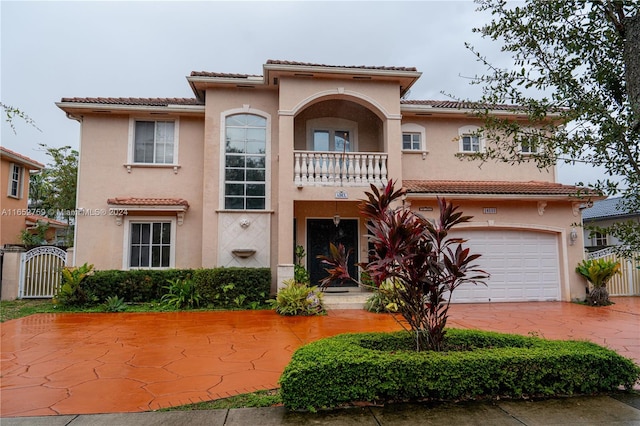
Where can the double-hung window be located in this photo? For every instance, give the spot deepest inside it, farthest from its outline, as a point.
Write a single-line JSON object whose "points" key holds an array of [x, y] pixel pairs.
{"points": [[245, 165], [154, 142], [16, 173], [150, 245], [599, 239], [470, 143], [411, 142], [529, 145]]}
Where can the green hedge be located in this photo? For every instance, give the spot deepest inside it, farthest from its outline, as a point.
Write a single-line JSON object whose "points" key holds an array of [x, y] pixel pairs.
{"points": [[136, 285], [383, 367], [219, 287], [226, 286]]}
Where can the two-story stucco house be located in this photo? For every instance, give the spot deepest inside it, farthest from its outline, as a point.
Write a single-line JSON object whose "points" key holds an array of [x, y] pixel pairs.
{"points": [[254, 165], [15, 216]]}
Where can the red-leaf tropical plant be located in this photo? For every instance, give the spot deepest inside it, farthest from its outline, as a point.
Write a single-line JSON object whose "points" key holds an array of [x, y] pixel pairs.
{"points": [[425, 264]]}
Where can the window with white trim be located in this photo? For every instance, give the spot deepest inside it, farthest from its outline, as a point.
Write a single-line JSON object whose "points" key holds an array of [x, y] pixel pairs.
{"points": [[530, 145], [411, 142], [16, 174], [599, 239], [470, 141], [150, 244], [154, 142], [245, 167], [413, 137]]}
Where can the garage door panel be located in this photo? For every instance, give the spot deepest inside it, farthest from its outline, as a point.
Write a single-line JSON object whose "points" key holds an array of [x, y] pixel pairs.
{"points": [[524, 266]]}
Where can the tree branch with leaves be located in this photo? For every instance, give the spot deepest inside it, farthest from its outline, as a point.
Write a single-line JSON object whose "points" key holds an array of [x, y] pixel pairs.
{"points": [[575, 73]]}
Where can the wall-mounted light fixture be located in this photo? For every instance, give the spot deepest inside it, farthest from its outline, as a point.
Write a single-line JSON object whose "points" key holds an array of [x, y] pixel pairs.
{"points": [[336, 217], [573, 236]]}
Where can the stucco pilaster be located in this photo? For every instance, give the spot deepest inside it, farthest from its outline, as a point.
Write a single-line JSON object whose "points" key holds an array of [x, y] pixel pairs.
{"points": [[284, 206], [392, 141]]}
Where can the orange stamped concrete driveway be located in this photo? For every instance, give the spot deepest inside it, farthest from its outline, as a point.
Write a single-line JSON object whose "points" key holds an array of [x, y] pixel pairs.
{"points": [[107, 363]]}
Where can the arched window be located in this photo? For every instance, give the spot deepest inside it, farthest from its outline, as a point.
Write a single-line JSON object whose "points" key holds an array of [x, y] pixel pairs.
{"points": [[245, 163]]}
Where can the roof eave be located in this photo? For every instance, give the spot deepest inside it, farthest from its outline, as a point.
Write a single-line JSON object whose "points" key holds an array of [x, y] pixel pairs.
{"points": [[31, 164], [498, 197], [72, 107]]}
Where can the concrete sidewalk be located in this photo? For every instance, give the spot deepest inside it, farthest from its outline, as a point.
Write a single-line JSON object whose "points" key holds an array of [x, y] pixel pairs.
{"points": [[619, 409]]}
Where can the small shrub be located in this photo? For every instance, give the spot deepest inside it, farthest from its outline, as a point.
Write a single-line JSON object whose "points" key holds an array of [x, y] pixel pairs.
{"points": [[384, 298], [300, 273], [71, 291], [598, 272], [298, 299], [385, 367], [114, 304], [181, 293]]}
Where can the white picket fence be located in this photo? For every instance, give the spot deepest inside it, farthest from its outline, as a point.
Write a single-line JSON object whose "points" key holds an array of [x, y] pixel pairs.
{"points": [[627, 283]]}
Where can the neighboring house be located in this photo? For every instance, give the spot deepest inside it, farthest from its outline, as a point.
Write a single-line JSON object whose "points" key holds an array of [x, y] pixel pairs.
{"points": [[15, 170], [254, 165], [604, 213], [56, 230]]}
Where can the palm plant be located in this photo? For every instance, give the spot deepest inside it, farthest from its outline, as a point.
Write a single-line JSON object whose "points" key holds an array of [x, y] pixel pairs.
{"points": [[598, 272]]}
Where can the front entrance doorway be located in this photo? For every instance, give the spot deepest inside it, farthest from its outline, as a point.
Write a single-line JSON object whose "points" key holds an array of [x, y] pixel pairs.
{"points": [[321, 232]]}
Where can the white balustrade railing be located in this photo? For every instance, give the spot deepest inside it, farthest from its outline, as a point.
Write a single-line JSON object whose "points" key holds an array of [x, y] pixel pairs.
{"points": [[315, 168]]}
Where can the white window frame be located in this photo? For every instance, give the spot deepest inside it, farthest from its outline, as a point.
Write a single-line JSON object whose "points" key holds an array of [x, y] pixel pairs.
{"points": [[469, 131], [126, 246], [530, 134], [412, 128], [132, 141], [246, 109], [332, 125], [19, 181], [598, 237]]}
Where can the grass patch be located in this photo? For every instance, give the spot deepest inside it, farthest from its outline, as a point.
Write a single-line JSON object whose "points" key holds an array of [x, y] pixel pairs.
{"points": [[12, 309], [264, 398]]}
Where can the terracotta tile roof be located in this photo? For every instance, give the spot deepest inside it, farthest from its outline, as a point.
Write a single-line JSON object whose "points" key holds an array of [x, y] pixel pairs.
{"points": [[460, 105], [35, 218], [491, 187], [221, 75], [136, 101], [364, 67], [16, 156], [135, 201]]}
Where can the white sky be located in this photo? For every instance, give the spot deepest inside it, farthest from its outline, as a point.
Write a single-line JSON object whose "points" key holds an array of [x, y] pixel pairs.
{"points": [[51, 50]]}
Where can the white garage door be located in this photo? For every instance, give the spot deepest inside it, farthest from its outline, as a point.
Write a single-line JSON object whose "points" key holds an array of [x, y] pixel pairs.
{"points": [[524, 266]]}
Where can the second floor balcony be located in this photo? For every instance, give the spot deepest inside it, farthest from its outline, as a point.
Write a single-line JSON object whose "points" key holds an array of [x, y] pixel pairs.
{"points": [[327, 168]]}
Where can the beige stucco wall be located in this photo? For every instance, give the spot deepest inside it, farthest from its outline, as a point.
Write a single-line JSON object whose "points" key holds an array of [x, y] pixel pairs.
{"points": [[220, 104], [441, 163], [103, 175]]}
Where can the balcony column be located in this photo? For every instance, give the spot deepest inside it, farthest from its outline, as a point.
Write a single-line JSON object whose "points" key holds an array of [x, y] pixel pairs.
{"points": [[393, 148], [283, 204]]}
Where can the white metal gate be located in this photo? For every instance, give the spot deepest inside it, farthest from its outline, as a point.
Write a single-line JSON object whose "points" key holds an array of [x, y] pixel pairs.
{"points": [[40, 272], [627, 283]]}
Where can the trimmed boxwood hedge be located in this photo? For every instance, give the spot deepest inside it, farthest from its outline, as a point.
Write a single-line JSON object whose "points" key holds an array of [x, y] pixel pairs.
{"points": [[218, 287], [383, 367]]}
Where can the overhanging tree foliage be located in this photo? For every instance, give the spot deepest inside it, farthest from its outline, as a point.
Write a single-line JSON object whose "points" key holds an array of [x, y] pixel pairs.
{"points": [[575, 63], [53, 190]]}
